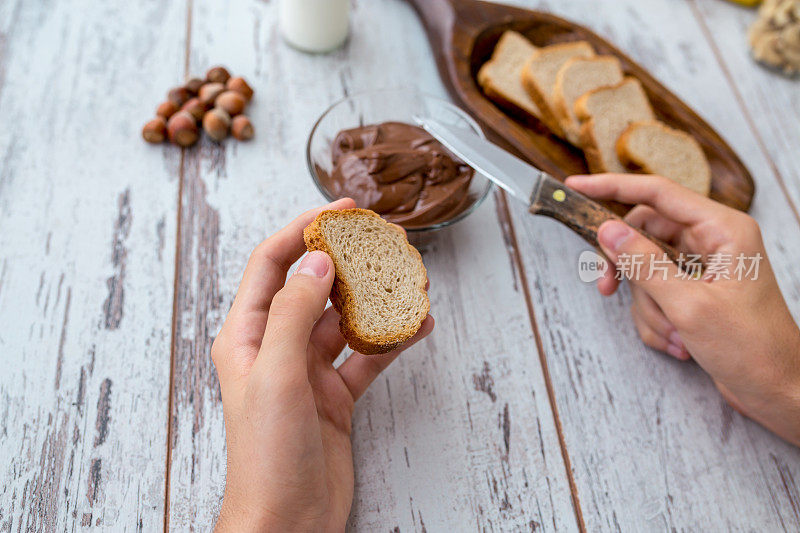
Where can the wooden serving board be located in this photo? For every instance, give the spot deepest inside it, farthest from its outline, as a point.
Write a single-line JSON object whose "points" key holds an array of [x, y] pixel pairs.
{"points": [[463, 34]]}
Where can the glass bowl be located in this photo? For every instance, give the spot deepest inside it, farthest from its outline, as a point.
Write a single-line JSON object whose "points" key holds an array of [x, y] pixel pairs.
{"points": [[374, 107]]}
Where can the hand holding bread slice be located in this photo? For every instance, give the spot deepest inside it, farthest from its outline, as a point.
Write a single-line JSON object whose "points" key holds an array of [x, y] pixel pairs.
{"points": [[380, 284]]}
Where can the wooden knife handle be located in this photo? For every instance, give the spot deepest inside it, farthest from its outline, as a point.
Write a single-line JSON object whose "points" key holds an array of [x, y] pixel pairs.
{"points": [[581, 214]]}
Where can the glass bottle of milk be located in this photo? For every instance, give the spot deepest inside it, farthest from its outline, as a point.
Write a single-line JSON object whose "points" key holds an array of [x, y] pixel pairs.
{"points": [[314, 25]]}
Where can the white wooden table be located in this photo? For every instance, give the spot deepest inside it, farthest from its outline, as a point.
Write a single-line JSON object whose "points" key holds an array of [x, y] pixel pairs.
{"points": [[533, 406]]}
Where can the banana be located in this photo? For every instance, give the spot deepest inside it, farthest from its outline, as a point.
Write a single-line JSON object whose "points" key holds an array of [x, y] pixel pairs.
{"points": [[746, 3]]}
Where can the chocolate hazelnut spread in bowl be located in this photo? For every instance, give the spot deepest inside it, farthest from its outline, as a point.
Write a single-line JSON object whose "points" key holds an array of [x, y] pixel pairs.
{"points": [[366, 147]]}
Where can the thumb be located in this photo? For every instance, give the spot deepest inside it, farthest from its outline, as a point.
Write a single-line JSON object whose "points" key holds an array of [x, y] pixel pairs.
{"points": [[639, 260], [294, 311]]}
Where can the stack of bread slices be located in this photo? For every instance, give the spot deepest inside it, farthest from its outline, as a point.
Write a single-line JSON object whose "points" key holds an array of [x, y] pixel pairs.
{"points": [[587, 100]]}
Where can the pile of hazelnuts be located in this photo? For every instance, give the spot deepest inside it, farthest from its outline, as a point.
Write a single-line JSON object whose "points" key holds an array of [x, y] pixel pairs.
{"points": [[217, 102]]}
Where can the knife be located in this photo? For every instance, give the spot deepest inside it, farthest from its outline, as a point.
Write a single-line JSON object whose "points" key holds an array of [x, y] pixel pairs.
{"points": [[541, 192]]}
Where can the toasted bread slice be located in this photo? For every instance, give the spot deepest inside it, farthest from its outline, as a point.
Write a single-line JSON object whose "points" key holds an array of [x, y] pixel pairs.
{"points": [[575, 78], [655, 148], [539, 76], [605, 113], [380, 281], [501, 76]]}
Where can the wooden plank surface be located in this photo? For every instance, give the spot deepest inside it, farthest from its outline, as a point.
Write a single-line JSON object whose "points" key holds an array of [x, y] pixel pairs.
{"points": [[666, 452], [87, 226], [459, 433], [771, 102]]}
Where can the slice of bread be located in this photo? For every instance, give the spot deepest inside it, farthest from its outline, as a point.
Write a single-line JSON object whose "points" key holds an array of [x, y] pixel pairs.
{"points": [[501, 76], [575, 78], [655, 148], [380, 281], [539, 76], [605, 113]]}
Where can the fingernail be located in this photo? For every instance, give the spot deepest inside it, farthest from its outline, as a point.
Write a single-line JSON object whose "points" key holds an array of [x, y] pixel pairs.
{"points": [[675, 351], [314, 264], [675, 339], [613, 234], [678, 352], [577, 178]]}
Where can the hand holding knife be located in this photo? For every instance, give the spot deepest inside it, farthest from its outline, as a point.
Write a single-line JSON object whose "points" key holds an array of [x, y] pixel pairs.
{"points": [[542, 193]]}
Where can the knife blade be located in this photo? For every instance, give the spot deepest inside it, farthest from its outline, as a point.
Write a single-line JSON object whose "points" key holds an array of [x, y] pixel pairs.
{"points": [[508, 172], [542, 193]]}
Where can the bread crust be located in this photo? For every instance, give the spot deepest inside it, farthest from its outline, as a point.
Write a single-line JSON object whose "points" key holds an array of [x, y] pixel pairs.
{"points": [[537, 95], [591, 150], [560, 107], [625, 157], [594, 159], [635, 164], [628, 159], [560, 110], [342, 297], [498, 97], [497, 94]]}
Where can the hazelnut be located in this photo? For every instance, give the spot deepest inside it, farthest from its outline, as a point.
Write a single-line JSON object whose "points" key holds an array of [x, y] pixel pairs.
{"points": [[153, 131], [241, 128], [238, 84], [231, 101], [195, 107], [166, 109], [218, 75], [178, 95], [216, 123], [193, 85], [182, 129], [209, 92]]}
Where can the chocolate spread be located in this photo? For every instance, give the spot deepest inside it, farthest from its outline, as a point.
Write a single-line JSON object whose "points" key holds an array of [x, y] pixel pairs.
{"points": [[399, 171]]}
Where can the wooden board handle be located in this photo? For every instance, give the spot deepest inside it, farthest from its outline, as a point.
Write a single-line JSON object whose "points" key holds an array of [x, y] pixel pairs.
{"points": [[433, 9], [441, 17], [581, 214]]}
